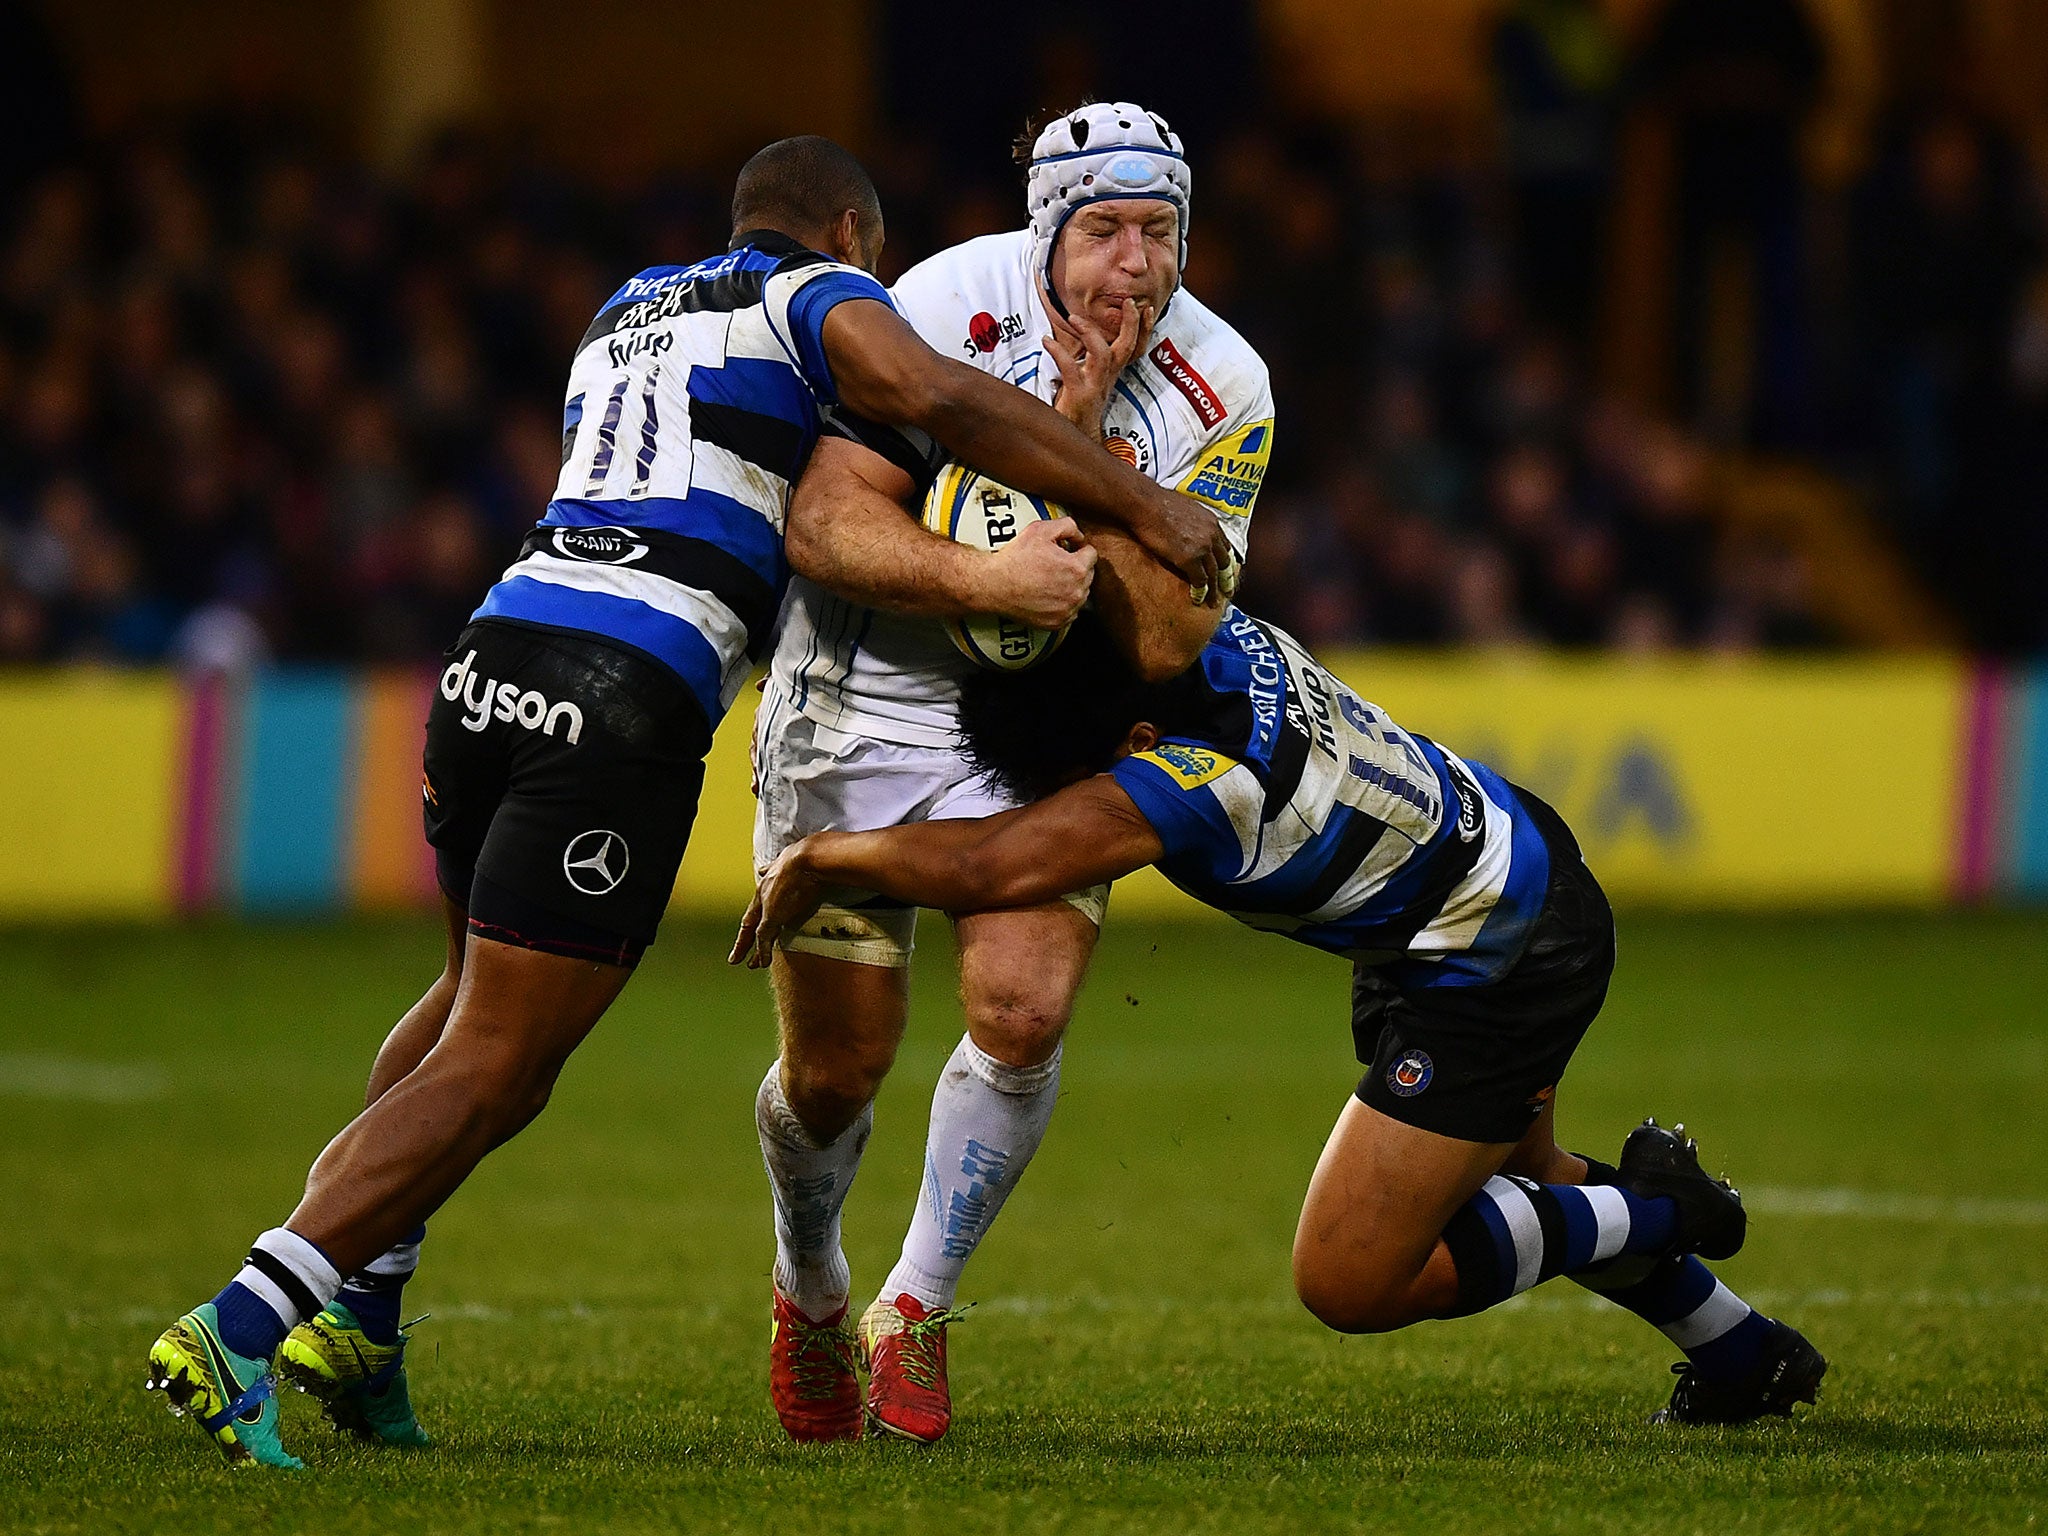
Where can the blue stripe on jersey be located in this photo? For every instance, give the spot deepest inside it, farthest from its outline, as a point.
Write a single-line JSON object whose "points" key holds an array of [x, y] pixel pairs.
{"points": [[807, 311], [674, 642], [759, 385], [1144, 415], [732, 525], [1280, 890]]}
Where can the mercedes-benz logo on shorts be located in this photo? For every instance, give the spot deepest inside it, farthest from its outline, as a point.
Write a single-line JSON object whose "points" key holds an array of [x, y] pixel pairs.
{"points": [[596, 861]]}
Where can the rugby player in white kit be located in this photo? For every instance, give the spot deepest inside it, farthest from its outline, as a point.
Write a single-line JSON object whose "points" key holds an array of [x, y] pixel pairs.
{"points": [[858, 731]]}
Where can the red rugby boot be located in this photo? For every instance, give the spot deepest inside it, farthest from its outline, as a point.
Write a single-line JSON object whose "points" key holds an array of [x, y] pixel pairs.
{"points": [[811, 1374], [906, 1350]]}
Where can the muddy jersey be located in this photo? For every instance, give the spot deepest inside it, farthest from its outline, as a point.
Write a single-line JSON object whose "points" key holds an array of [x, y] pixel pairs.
{"points": [[1194, 412]]}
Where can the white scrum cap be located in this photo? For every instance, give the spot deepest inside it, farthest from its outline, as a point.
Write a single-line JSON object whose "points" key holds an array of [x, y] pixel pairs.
{"points": [[1096, 153]]}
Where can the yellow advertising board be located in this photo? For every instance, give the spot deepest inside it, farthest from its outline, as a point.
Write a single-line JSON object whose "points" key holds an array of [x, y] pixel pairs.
{"points": [[89, 777], [1691, 782], [1713, 782]]}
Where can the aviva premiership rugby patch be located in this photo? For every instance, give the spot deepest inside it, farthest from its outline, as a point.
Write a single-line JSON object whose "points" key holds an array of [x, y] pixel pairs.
{"points": [[1229, 474], [1191, 767]]}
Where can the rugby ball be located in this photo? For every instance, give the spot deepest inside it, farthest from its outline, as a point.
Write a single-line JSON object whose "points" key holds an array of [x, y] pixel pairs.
{"points": [[967, 507]]}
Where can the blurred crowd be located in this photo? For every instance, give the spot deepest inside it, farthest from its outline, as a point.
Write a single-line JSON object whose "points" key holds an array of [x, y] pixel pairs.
{"points": [[258, 399]]}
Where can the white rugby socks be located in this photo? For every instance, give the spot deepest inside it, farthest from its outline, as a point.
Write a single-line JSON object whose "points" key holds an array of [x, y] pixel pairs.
{"points": [[810, 1183], [987, 1120]]}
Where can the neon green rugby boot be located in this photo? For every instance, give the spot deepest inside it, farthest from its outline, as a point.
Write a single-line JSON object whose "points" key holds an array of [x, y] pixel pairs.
{"points": [[231, 1398], [358, 1382]]}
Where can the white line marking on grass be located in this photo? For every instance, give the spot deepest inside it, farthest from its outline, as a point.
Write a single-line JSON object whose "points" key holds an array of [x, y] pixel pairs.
{"points": [[27, 1076], [1876, 1205]]}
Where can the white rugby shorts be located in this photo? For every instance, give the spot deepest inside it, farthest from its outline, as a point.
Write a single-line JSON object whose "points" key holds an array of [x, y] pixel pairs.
{"points": [[812, 778]]}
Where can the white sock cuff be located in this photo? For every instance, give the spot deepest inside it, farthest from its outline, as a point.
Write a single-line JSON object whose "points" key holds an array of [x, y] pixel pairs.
{"points": [[1525, 1228], [291, 1276], [1721, 1311], [265, 1290], [1004, 1078], [304, 1259], [400, 1260], [1611, 1219], [936, 1292], [778, 1122]]}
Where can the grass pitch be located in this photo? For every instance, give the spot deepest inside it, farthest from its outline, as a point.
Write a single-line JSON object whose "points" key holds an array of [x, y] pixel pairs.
{"points": [[596, 1361]]}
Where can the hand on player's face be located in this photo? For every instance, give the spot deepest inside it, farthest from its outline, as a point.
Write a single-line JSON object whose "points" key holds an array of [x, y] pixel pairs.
{"points": [[1043, 575], [785, 898], [1115, 266], [1091, 359]]}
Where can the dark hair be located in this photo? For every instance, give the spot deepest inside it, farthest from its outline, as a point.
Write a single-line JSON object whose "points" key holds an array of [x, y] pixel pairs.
{"points": [[801, 186], [1034, 125], [1035, 731]]}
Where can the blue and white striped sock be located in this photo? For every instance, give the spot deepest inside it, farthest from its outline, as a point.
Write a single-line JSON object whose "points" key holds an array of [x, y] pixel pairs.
{"points": [[1516, 1233], [285, 1280], [376, 1292], [1721, 1334]]}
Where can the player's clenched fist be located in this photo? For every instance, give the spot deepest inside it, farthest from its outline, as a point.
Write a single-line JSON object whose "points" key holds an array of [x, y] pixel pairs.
{"points": [[1042, 576]]}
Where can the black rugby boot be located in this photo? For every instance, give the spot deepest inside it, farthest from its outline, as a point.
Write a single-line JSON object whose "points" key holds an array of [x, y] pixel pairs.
{"points": [[1711, 1220], [1788, 1371]]}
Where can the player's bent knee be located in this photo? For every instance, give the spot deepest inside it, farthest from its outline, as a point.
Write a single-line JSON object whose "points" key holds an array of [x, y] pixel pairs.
{"points": [[1352, 1292], [1020, 1031], [1349, 1305]]}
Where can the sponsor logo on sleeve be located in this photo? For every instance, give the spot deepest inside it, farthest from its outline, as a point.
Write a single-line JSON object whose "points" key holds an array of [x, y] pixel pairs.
{"points": [[1230, 472], [1182, 377], [1190, 767]]}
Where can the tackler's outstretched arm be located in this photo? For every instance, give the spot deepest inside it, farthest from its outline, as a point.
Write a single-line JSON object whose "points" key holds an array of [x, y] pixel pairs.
{"points": [[1086, 834]]}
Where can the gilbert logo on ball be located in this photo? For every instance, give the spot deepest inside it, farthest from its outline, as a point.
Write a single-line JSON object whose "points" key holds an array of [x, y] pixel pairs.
{"points": [[967, 507]]}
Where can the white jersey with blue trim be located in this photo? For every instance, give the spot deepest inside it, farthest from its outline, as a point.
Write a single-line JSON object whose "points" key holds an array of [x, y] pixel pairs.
{"points": [[1195, 412], [1286, 800], [693, 404]]}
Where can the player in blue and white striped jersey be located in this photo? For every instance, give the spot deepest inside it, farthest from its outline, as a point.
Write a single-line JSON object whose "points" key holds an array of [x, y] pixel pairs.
{"points": [[565, 745], [1482, 947], [694, 401]]}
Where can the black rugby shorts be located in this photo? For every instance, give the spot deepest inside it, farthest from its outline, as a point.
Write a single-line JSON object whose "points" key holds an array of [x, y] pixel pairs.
{"points": [[1479, 1063], [561, 782]]}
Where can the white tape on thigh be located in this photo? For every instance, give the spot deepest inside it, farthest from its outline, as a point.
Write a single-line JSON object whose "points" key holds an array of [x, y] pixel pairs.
{"points": [[881, 936], [1092, 903]]}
